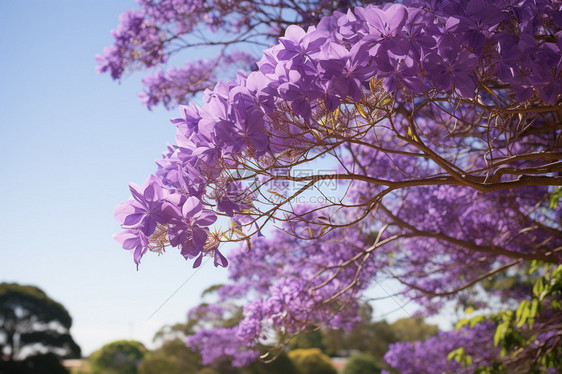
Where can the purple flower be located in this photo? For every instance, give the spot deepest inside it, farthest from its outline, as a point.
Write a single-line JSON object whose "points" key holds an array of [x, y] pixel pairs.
{"points": [[451, 68], [144, 211], [229, 199], [298, 44], [187, 229], [300, 91], [412, 357], [219, 259], [385, 26], [346, 70], [247, 128], [476, 23], [188, 123], [134, 241]]}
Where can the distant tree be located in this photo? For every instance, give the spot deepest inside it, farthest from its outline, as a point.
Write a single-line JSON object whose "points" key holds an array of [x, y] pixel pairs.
{"points": [[373, 337], [207, 370], [312, 361], [362, 363], [412, 329], [47, 363], [32, 323], [119, 357], [283, 364], [313, 339], [366, 336], [173, 357]]}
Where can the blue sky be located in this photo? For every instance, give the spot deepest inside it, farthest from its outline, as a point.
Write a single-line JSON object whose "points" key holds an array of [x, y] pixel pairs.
{"points": [[70, 143]]}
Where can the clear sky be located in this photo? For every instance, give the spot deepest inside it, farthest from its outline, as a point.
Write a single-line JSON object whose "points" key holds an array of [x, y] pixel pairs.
{"points": [[70, 143]]}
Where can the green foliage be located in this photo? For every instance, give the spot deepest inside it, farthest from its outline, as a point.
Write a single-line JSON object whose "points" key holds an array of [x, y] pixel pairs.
{"points": [[555, 197], [31, 321], [367, 336], [362, 363], [510, 333], [281, 365], [495, 368], [312, 361], [208, 370], [312, 339], [119, 357], [375, 337], [460, 356], [173, 357]]}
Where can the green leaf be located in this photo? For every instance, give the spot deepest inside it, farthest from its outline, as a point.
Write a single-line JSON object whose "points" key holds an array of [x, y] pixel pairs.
{"points": [[522, 313], [500, 332], [555, 197], [539, 286], [455, 354], [535, 307], [461, 323], [476, 320], [535, 264]]}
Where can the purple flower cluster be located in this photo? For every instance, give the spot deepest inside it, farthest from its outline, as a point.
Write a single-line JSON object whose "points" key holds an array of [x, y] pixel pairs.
{"points": [[180, 84], [137, 41], [430, 356], [152, 210], [455, 46], [286, 291], [452, 48]]}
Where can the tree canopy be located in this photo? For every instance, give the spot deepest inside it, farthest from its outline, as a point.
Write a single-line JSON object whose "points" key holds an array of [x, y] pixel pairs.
{"points": [[312, 361], [32, 323], [173, 357], [440, 121], [119, 357]]}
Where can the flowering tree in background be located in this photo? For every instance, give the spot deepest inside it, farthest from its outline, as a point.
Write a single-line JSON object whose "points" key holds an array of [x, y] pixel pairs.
{"points": [[442, 121]]}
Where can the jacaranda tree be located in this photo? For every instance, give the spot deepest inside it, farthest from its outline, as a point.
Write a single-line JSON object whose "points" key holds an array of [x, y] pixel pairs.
{"points": [[441, 125]]}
